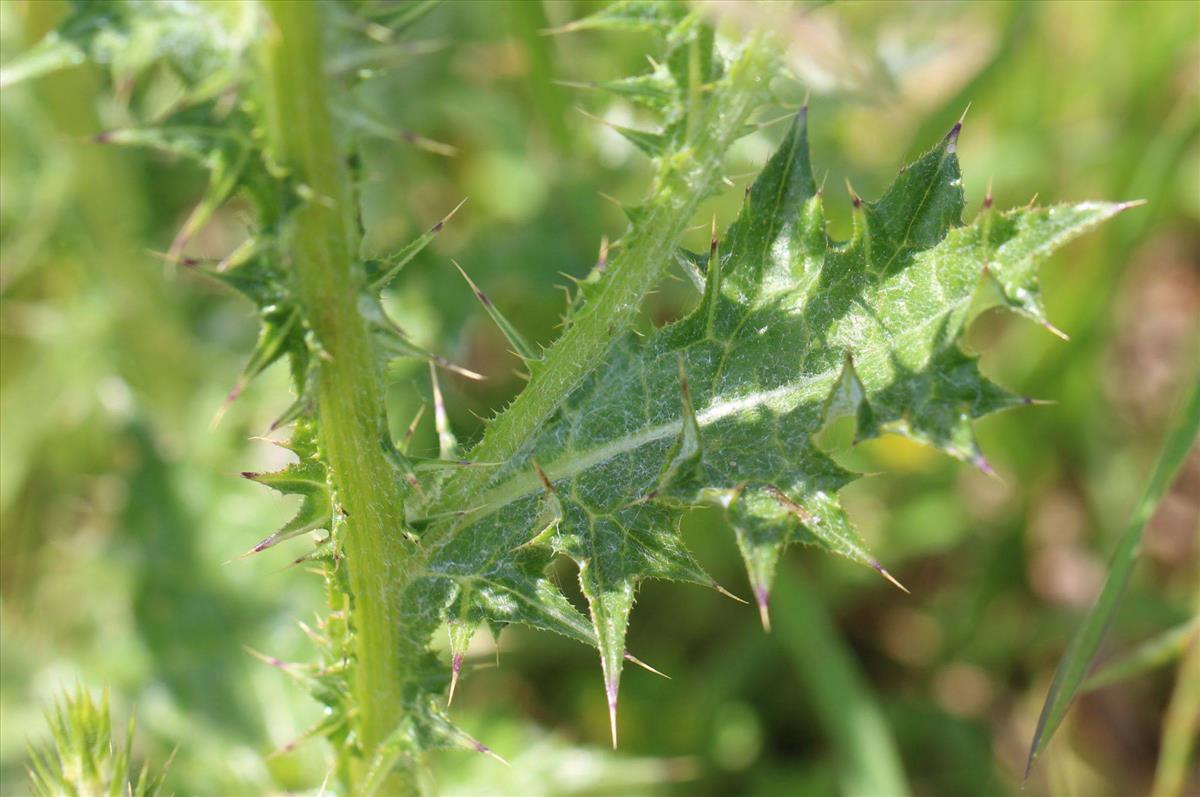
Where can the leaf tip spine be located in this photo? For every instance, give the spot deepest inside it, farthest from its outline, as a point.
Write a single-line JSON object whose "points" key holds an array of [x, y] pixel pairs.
{"points": [[455, 669], [632, 659], [855, 199], [727, 593], [883, 572], [762, 597], [610, 689]]}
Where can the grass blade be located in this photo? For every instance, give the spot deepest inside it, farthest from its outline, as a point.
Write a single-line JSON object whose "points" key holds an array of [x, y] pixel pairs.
{"points": [[1181, 726], [1073, 668], [1157, 651]]}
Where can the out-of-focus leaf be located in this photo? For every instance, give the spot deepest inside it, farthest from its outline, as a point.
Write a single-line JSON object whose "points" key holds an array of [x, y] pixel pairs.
{"points": [[868, 762], [1181, 727], [1158, 651]]}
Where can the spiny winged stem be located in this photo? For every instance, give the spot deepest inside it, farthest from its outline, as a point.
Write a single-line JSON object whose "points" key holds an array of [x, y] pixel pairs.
{"points": [[320, 243], [682, 183]]}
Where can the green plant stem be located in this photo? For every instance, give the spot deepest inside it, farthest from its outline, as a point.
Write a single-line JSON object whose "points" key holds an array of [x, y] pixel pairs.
{"points": [[319, 241], [868, 761], [684, 180]]}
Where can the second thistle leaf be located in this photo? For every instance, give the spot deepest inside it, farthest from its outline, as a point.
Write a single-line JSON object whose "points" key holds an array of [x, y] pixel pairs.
{"points": [[793, 331]]}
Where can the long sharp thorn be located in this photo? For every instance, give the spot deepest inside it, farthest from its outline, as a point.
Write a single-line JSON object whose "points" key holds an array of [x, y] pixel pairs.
{"points": [[523, 349], [487, 751], [226, 404], [412, 429], [728, 594], [438, 227], [784, 118], [455, 668], [394, 264], [447, 445], [602, 260], [264, 658], [457, 369], [610, 688], [632, 659], [1053, 330], [883, 572], [611, 199]]}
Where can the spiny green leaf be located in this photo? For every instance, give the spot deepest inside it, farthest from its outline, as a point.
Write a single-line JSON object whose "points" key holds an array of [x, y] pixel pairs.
{"points": [[793, 330], [425, 727], [204, 44], [650, 143], [83, 757], [307, 478], [1074, 666], [513, 589]]}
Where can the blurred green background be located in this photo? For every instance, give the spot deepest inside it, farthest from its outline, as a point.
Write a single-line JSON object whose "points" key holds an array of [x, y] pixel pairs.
{"points": [[121, 507]]}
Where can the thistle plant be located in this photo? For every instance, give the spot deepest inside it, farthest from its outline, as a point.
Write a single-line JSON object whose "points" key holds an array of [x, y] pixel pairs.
{"points": [[83, 759], [616, 436]]}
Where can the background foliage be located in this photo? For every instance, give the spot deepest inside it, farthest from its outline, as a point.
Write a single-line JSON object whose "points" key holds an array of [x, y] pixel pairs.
{"points": [[121, 506]]}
